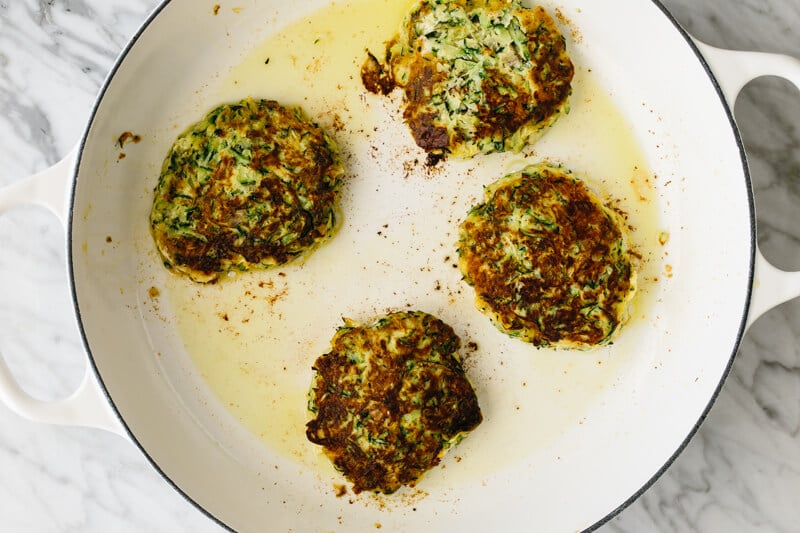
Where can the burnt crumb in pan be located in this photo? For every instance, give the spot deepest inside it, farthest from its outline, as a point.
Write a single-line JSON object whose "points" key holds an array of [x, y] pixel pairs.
{"points": [[550, 264], [252, 185], [389, 400], [477, 77]]}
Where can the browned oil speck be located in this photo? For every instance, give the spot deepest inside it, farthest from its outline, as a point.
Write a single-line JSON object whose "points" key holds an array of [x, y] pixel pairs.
{"points": [[573, 30], [215, 10], [338, 123], [153, 292], [278, 296], [128, 137]]}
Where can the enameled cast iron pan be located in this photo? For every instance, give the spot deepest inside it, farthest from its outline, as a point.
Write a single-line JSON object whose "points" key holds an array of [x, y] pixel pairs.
{"points": [[209, 381]]}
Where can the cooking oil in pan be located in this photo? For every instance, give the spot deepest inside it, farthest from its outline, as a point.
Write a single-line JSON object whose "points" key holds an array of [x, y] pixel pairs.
{"points": [[254, 338]]}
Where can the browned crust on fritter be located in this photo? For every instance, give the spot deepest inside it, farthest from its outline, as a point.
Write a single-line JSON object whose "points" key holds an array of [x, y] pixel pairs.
{"points": [[375, 77], [506, 106], [566, 279], [360, 422], [295, 196], [427, 133], [503, 113], [555, 70]]}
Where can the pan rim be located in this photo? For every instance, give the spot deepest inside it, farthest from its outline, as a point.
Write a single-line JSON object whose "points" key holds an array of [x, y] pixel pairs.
{"points": [[71, 269], [132, 42], [750, 277]]}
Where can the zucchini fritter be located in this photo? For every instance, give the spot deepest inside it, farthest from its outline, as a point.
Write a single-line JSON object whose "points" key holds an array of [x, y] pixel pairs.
{"points": [[390, 399], [479, 76], [253, 184], [549, 262]]}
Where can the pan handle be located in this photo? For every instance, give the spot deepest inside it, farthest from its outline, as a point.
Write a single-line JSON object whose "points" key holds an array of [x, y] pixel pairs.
{"points": [[88, 406], [734, 70]]}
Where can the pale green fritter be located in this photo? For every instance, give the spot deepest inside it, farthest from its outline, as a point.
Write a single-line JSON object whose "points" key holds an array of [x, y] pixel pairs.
{"points": [[549, 262], [479, 76], [252, 185], [390, 399]]}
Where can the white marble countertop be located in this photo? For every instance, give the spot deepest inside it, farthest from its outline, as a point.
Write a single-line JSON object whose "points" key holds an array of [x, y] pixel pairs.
{"points": [[740, 473]]}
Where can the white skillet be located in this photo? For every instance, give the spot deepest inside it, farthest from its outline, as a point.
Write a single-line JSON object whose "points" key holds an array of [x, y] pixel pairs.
{"points": [[565, 466]]}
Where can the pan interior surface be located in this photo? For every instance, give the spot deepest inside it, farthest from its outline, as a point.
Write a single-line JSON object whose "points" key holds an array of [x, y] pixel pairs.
{"points": [[211, 379]]}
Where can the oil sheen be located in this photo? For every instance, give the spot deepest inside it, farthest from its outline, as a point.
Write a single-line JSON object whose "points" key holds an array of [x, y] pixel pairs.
{"points": [[254, 337]]}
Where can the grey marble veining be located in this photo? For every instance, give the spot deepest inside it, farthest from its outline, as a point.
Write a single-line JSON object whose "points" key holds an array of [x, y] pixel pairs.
{"points": [[741, 472]]}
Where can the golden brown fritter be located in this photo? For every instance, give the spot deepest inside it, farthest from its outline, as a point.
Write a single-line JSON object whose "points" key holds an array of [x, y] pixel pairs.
{"points": [[549, 262], [252, 185], [479, 76], [390, 399]]}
